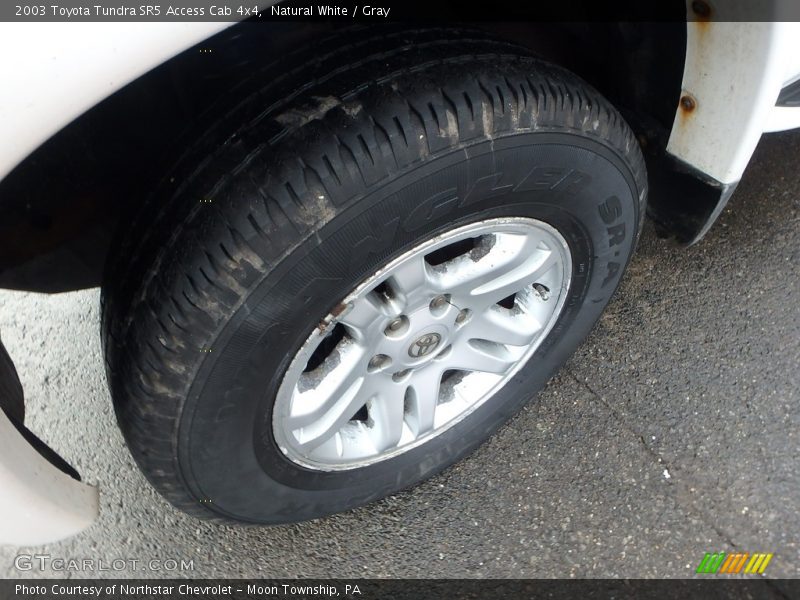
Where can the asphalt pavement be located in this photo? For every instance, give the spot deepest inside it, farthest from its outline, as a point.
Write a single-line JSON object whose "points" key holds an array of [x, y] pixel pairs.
{"points": [[672, 432]]}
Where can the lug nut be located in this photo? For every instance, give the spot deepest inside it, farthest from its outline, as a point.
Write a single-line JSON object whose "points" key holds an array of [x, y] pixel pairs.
{"points": [[438, 303], [396, 325], [462, 316], [379, 361], [400, 374], [542, 291]]}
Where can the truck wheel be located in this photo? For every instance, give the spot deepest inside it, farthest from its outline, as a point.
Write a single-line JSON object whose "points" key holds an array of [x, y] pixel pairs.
{"points": [[364, 271]]}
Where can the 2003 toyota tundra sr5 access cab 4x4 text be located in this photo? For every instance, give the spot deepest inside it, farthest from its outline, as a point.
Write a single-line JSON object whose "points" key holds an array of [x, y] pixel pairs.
{"points": [[334, 261]]}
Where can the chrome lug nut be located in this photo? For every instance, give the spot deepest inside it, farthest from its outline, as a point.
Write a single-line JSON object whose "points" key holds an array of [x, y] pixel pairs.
{"points": [[378, 362], [400, 374], [462, 316], [396, 326], [438, 303]]}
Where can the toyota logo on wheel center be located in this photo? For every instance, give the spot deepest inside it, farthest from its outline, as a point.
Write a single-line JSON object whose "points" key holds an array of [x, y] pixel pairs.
{"points": [[424, 345]]}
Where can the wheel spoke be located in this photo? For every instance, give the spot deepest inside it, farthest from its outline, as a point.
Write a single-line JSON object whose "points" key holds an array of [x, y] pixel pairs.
{"points": [[411, 280], [361, 317], [386, 412], [480, 355], [329, 396], [510, 264], [423, 398], [323, 429], [516, 278], [515, 327]]}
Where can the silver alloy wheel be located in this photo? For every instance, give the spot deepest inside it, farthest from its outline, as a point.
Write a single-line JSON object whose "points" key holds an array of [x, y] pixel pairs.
{"points": [[422, 343]]}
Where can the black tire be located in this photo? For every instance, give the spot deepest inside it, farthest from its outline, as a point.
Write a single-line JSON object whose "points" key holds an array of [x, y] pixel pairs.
{"points": [[12, 398], [307, 188]]}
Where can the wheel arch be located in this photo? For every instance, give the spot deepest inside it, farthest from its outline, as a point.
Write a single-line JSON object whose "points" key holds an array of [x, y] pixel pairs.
{"points": [[63, 204]]}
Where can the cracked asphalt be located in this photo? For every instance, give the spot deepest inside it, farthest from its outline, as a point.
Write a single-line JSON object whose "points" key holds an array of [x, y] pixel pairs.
{"points": [[672, 432]]}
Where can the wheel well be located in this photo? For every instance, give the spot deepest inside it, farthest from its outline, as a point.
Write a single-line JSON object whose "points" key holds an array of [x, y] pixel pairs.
{"points": [[63, 205]]}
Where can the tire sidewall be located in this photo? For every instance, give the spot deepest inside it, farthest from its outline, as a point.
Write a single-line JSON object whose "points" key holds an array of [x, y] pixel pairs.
{"points": [[227, 455]]}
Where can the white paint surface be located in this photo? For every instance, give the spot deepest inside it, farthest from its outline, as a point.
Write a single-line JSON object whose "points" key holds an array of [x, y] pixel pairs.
{"points": [[734, 71], [38, 502]]}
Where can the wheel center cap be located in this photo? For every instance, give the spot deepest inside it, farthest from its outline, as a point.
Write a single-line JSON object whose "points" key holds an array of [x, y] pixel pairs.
{"points": [[424, 345]]}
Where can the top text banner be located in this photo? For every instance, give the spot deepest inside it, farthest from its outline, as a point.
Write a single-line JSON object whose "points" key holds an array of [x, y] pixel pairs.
{"points": [[428, 11]]}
